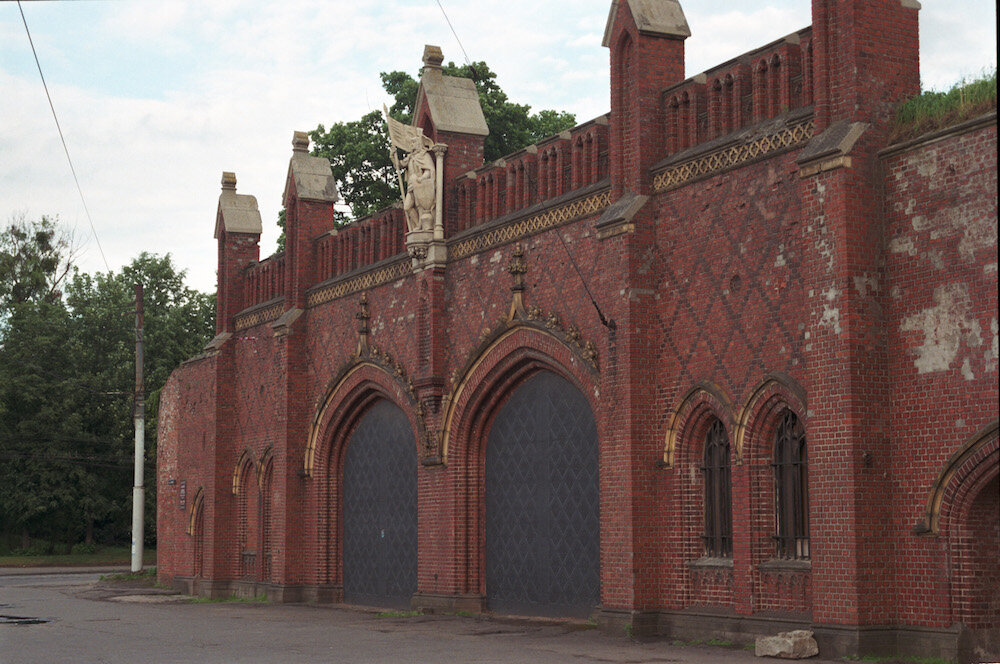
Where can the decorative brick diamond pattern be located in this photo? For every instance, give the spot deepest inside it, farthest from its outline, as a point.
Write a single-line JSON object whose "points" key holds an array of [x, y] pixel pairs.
{"points": [[730, 315], [542, 508], [380, 510]]}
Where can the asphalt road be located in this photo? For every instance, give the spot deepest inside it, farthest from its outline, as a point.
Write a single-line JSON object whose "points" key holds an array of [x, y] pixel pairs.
{"points": [[90, 624]]}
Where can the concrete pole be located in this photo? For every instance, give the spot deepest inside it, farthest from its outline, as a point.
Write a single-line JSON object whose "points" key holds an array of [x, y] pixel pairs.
{"points": [[138, 495]]}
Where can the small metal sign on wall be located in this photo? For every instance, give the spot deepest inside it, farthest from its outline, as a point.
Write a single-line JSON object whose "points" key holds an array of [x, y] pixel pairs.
{"points": [[182, 495]]}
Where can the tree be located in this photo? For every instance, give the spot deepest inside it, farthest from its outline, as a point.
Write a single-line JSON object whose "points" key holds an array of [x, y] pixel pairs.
{"points": [[66, 396], [36, 256], [178, 323], [38, 423], [359, 150]]}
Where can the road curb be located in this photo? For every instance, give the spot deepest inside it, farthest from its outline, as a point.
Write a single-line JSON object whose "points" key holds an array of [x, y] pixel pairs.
{"points": [[45, 571]]}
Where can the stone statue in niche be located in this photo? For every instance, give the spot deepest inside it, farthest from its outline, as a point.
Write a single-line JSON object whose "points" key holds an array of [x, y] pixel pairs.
{"points": [[420, 194]]}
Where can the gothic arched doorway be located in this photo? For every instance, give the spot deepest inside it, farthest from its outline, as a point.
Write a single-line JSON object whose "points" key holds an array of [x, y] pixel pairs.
{"points": [[542, 502], [380, 510]]}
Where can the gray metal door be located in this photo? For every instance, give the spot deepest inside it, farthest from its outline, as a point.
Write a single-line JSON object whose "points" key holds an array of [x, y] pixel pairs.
{"points": [[380, 510], [542, 502]]}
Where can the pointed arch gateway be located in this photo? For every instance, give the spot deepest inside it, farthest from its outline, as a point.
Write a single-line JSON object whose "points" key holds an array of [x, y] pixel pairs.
{"points": [[363, 451], [522, 425], [542, 502], [379, 489]]}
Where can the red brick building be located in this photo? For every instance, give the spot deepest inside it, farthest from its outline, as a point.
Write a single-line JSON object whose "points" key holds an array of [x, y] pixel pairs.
{"points": [[720, 363]]}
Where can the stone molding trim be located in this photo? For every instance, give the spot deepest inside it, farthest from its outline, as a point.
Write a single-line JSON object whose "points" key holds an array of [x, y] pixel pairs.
{"points": [[775, 392], [398, 268], [196, 505], [983, 450], [494, 364], [495, 236], [266, 313], [385, 377], [733, 155], [701, 400], [246, 460], [831, 149], [617, 217]]}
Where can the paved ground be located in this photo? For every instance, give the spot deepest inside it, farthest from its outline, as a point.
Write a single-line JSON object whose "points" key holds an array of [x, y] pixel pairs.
{"points": [[91, 623]]}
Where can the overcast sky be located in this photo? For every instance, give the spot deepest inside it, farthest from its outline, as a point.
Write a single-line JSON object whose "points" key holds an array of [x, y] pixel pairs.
{"points": [[157, 98]]}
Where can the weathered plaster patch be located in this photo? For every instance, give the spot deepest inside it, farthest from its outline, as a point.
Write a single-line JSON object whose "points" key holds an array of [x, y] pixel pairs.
{"points": [[945, 326], [937, 260], [990, 268], [865, 284], [978, 231], [926, 167], [497, 257], [967, 370], [831, 313], [903, 245], [780, 260]]}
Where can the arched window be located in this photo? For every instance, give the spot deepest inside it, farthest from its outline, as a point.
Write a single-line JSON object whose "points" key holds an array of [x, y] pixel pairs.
{"points": [[791, 488], [718, 536]]}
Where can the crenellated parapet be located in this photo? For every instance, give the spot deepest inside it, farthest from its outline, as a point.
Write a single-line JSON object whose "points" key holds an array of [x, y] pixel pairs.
{"points": [[552, 168], [759, 85], [264, 281], [365, 242], [663, 132]]}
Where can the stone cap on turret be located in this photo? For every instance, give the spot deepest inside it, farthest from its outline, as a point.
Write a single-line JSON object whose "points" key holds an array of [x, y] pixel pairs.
{"points": [[653, 17], [238, 213], [452, 102], [313, 176]]}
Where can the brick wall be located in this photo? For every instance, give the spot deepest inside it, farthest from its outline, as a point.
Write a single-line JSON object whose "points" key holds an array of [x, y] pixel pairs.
{"points": [[859, 294]]}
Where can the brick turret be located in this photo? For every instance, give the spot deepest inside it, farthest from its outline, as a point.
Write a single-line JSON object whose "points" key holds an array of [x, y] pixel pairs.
{"points": [[447, 109], [310, 195], [866, 58], [646, 39], [237, 229]]}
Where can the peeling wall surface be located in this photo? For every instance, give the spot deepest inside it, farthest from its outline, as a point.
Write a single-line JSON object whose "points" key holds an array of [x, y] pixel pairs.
{"points": [[733, 262], [941, 267]]}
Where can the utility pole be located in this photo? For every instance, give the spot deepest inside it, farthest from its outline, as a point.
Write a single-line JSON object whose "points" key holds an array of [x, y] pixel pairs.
{"points": [[138, 497]]}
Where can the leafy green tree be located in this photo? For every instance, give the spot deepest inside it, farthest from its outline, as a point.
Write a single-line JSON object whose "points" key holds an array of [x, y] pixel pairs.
{"points": [[359, 150], [36, 256], [66, 396], [39, 424], [178, 322]]}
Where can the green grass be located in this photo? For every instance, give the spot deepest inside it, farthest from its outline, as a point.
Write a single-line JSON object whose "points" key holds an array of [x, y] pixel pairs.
{"points": [[719, 643], [397, 614], [875, 659], [232, 599], [930, 111], [111, 555], [144, 575]]}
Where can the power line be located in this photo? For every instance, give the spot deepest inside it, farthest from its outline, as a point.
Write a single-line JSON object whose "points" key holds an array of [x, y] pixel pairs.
{"points": [[62, 138], [467, 61]]}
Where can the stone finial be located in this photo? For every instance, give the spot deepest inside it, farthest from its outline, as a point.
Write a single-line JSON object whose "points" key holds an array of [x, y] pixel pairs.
{"points": [[300, 142], [664, 18], [228, 181], [433, 57]]}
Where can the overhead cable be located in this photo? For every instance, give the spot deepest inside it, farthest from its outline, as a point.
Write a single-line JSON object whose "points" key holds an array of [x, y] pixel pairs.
{"points": [[62, 138]]}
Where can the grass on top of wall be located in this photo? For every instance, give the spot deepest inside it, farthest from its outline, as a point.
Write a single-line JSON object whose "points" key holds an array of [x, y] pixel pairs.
{"points": [[930, 111]]}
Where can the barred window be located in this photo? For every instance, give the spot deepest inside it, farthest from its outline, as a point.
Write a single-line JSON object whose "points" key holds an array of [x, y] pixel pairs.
{"points": [[791, 488], [718, 537]]}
